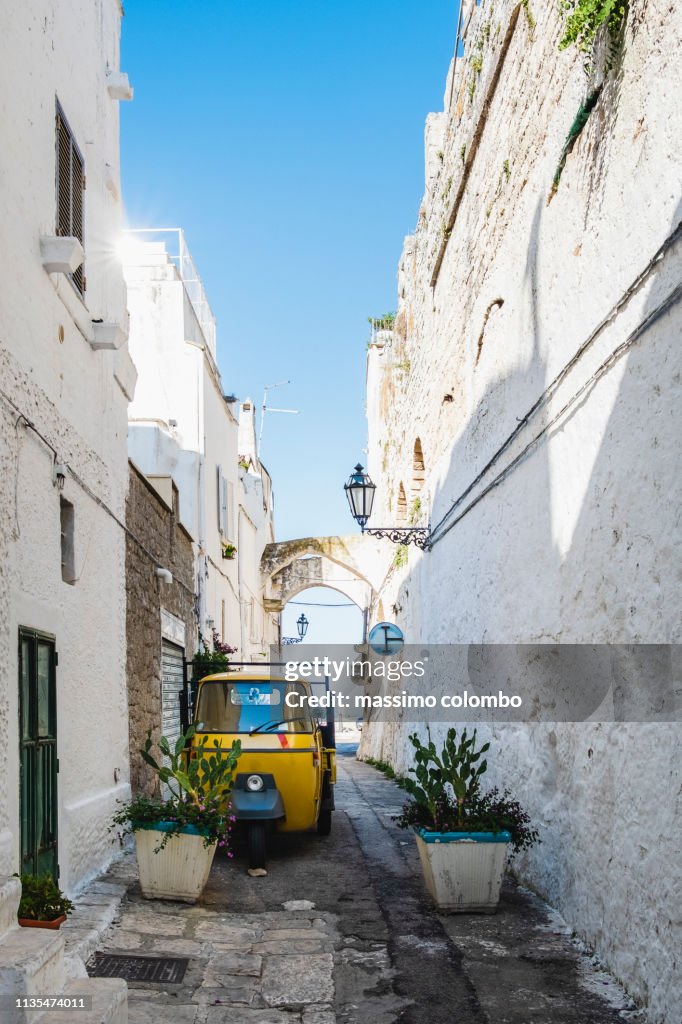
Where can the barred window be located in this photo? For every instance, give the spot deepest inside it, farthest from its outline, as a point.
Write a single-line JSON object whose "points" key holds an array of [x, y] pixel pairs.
{"points": [[70, 186]]}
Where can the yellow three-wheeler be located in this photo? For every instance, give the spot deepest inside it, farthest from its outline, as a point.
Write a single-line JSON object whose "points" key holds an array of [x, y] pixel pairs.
{"points": [[287, 769]]}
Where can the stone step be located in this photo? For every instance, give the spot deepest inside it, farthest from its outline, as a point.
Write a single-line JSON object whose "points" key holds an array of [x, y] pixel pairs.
{"points": [[31, 964], [109, 1003], [10, 894]]}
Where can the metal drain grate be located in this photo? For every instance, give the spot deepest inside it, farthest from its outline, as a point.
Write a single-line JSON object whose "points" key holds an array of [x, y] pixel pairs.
{"points": [[165, 969]]}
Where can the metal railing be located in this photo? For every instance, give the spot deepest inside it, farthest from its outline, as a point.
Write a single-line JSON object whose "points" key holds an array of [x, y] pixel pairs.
{"points": [[178, 253]]}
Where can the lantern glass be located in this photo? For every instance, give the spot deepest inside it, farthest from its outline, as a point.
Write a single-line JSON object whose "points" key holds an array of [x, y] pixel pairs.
{"points": [[302, 625], [360, 493]]}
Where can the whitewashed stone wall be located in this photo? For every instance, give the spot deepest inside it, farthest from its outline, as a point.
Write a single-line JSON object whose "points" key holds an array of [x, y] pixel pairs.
{"points": [[76, 398], [184, 427], [579, 540]]}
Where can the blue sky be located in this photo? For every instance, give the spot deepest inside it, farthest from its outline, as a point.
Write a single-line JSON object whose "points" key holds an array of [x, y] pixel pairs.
{"points": [[286, 139]]}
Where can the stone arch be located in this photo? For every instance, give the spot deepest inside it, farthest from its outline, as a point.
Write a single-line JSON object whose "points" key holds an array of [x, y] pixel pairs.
{"points": [[352, 565]]}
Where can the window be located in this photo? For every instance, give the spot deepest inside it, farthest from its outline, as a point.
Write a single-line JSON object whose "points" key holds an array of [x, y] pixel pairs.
{"points": [[66, 522], [225, 504], [70, 175]]}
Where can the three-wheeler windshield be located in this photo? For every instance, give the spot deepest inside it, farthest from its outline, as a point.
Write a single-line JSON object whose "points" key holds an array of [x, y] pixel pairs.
{"points": [[265, 705]]}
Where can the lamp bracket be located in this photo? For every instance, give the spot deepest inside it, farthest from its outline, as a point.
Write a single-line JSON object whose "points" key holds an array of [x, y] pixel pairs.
{"points": [[418, 535]]}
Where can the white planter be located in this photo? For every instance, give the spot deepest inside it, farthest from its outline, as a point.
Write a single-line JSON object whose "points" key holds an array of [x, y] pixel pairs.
{"points": [[463, 871], [60, 254], [179, 871]]}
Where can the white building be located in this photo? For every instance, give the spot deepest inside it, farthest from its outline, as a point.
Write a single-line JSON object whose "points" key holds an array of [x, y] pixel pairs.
{"points": [[184, 430], [65, 383]]}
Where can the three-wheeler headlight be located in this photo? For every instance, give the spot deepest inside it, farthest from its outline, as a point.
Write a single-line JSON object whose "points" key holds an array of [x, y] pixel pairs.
{"points": [[255, 784]]}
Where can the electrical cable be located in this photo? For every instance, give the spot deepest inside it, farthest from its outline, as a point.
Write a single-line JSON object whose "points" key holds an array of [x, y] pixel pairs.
{"points": [[555, 383], [320, 604], [87, 490], [603, 368]]}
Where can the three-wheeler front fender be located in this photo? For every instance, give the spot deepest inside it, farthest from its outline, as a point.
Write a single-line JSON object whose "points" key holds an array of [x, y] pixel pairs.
{"points": [[256, 805]]}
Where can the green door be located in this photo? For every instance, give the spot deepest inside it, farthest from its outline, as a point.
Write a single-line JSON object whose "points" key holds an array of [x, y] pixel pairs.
{"points": [[38, 752]]}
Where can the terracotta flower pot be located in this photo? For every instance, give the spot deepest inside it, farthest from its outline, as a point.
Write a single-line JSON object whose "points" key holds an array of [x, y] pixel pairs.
{"points": [[28, 922]]}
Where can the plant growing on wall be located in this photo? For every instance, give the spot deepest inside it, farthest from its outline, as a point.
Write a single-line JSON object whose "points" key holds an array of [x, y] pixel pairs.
{"points": [[585, 18], [400, 556], [382, 323]]}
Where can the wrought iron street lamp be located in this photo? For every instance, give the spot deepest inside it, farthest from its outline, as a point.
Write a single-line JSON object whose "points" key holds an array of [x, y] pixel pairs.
{"points": [[302, 627], [360, 491]]}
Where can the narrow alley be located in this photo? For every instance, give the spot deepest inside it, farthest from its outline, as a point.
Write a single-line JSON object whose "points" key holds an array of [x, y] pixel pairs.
{"points": [[342, 930]]}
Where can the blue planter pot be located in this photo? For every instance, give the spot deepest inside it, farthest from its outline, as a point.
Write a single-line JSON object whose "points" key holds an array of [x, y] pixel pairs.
{"points": [[463, 837]]}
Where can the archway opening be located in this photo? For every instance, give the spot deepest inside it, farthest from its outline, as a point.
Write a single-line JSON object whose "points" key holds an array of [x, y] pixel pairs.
{"points": [[332, 616]]}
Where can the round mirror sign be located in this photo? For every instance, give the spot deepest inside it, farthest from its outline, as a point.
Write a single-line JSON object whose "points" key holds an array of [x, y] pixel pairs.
{"points": [[386, 638]]}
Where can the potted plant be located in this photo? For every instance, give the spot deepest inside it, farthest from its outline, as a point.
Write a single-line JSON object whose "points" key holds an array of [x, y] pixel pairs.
{"points": [[463, 835], [176, 836], [43, 904], [229, 551]]}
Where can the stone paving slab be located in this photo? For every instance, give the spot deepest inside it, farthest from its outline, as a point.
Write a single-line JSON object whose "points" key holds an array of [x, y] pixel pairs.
{"points": [[295, 980]]}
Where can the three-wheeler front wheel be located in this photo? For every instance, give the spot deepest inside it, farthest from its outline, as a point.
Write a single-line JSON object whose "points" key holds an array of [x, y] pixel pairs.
{"points": [[257, 844], [324, 823]]}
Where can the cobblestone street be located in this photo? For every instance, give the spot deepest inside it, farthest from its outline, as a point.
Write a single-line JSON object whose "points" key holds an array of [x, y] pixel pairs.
{"points": [[341, 930]]}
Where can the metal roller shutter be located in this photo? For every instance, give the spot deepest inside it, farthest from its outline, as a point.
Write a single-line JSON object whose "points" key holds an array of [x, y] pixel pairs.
{"points": [[172, 679]]}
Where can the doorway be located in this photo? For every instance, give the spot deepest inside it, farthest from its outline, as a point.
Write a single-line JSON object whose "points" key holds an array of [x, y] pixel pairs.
{"points": [[38, 765]]}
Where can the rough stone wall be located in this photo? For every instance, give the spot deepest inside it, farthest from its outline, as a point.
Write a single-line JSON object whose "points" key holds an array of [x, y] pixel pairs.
{"points": [[155, 538], [572, 533]]}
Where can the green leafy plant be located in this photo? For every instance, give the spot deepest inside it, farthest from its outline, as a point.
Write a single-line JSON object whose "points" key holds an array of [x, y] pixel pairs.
{"points": [[229, 550], [384, 767], [382, 323], [400, 556], [42, 899], [199, 782], [530, 19], [209, 660], [446, 792], [415, 510], [584, 19]]}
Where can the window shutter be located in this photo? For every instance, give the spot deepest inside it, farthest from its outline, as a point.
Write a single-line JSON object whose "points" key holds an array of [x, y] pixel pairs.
{"points": [[77, 186], [63, 178], [223, 510], [230, 511], [218, 491], [70, 173]]}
